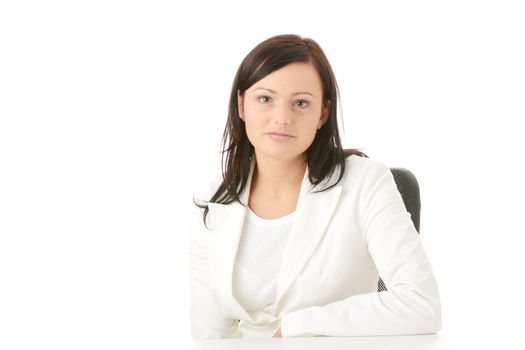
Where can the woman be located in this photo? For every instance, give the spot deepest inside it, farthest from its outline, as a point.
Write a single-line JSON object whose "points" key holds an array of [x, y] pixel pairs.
{"points": [[269, 256]]}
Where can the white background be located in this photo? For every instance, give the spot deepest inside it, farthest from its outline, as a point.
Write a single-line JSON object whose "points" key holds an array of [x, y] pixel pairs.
{"points": [[112, 113]]}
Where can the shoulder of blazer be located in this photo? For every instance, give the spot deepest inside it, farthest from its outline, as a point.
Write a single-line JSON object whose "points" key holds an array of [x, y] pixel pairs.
{"points": [[204, 193], [355, 167], [358, 167]]}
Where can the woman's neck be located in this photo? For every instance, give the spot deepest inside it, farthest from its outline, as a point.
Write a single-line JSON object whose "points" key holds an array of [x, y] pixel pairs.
{"points": [[277, 178]]}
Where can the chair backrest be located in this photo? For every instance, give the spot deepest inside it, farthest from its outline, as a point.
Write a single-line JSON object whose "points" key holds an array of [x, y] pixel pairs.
{"points": [[408, 186]]}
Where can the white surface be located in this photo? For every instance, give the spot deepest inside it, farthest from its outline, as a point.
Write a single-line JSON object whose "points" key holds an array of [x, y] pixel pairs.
{"points": [[112, 111], [442, 341], [416, 342], [419, 342]]}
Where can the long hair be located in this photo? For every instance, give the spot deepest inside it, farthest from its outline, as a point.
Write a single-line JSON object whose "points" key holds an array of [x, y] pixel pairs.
{"points": [[325, 152]]}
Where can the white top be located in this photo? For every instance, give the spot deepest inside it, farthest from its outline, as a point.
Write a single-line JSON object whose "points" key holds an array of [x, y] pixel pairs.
{"points": [[258, 260]]}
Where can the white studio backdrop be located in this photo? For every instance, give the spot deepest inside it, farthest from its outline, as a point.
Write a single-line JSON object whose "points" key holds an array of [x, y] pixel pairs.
{"points": [[112, 113]]}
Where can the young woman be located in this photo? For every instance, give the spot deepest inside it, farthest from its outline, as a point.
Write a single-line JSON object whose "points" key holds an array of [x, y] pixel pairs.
{"points": [[292, 239]]}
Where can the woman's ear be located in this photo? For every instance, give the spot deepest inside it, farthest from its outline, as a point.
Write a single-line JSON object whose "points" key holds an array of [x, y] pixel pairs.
{"points": [[240, 106], [324, 115]]}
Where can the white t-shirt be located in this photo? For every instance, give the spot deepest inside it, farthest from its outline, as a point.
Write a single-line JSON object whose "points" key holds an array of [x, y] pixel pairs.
{"points": [[258, 260]]}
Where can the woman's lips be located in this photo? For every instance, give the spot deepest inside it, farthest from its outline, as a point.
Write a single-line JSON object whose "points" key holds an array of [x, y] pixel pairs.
{"points": [[280, 136]]}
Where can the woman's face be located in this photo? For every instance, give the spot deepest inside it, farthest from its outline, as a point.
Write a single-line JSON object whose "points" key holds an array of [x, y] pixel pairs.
{"points": [[287, 101]]}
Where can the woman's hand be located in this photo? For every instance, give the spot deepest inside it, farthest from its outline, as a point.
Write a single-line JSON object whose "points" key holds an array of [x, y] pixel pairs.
{"points": [[278, 333]]}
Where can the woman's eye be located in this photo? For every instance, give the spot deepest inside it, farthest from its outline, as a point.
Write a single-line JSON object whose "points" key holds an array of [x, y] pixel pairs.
{"points": [[263, 99], [302, 103]]}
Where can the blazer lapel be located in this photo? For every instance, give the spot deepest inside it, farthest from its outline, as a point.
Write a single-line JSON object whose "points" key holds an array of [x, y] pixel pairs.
{"points": [[312, 215], [230, 219]]}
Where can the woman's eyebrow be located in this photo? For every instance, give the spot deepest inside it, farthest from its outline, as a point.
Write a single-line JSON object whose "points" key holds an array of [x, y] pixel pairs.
{"points": [[295, 93]]}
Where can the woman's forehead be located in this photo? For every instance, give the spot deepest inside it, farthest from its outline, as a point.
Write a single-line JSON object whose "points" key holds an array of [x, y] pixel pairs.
{"points": [[293, 79]]}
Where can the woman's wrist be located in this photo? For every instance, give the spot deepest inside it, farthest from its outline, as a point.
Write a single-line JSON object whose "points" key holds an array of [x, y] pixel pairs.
{"points": [[278, 334]]}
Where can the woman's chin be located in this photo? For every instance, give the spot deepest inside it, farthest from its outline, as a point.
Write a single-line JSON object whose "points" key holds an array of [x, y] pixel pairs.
{"points": [[280, 153]]}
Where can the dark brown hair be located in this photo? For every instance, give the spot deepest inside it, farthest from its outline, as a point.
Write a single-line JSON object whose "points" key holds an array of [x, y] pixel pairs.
{"points": [[325, 152]]}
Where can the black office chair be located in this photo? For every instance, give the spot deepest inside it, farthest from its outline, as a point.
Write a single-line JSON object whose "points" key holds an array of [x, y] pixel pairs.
{"points": [[409, 188]]}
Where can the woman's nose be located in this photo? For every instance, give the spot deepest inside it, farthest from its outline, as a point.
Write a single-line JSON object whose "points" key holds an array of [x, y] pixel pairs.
{"points": [[282, 115]]}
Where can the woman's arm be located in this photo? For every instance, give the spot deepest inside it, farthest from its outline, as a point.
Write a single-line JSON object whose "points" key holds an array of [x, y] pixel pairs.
{"points": [[207, 321], [411, 305]]}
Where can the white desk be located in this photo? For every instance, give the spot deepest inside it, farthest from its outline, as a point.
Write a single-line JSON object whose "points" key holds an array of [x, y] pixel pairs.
{"points": [[507, 335], [414, 342]]}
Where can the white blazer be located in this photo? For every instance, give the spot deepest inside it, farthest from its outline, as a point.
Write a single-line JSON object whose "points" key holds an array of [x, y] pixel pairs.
{"points": [[341, 241]]}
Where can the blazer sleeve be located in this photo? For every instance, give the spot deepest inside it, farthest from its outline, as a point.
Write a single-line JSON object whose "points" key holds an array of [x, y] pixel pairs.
{"points": [[412, 303], [207, 320]]}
